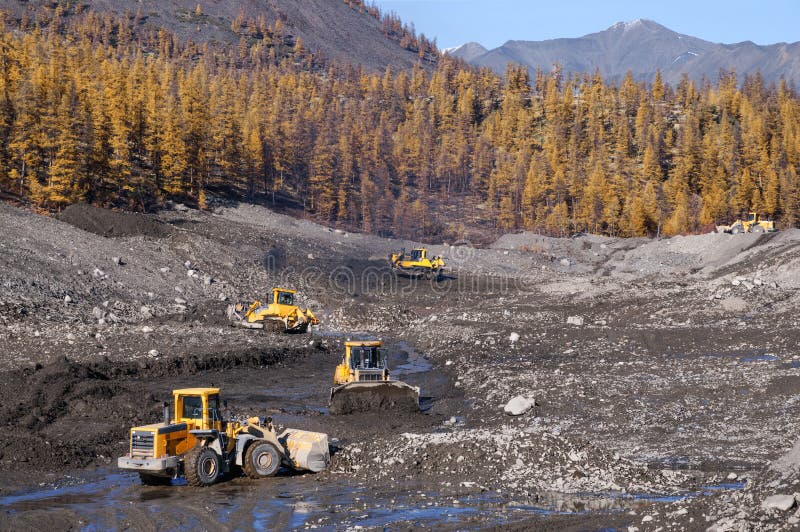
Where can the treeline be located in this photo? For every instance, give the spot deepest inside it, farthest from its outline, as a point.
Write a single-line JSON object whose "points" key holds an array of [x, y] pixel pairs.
{"points": [[89, 112]]}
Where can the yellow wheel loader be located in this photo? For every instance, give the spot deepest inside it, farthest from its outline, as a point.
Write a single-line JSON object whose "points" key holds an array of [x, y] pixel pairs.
{"points": [[754, 223], [361, 382], [417, 263], [281, 315], [200, 446]]}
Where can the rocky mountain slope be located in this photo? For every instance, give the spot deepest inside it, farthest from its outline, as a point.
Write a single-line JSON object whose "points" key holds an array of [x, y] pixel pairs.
{"points": [[643, 47], [328, 27]]}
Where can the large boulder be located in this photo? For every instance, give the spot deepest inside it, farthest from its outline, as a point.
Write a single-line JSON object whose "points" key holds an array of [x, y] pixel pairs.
{"points": [[519, 405]]}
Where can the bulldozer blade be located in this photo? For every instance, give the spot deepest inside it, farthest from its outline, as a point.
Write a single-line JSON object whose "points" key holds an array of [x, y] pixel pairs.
{"points": [[306, 450], [366, 396]]}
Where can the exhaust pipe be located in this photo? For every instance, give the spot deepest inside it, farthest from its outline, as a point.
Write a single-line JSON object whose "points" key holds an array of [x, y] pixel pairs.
{"points": [[166, 413]]}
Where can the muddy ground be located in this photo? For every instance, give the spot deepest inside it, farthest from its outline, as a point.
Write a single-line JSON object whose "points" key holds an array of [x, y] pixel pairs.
{"points": [[664, 373]]}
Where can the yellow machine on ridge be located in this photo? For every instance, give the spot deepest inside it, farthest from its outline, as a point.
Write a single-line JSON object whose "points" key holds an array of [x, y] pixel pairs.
{"points": [[281, 315], [200, 446], [754, 223], [361, 382], [417, 262]]}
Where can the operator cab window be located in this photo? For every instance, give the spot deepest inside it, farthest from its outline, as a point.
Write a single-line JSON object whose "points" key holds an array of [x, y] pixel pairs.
{"points": [[416, 254], [751, 218], [213, 408], [366, 358], [285, 298], [192, 407]]}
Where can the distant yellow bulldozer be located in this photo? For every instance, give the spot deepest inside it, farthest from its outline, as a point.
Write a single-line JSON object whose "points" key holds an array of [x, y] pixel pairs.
{"points": [[281, 315], [417, 262], [197, 444], [361, 382], [754, 223]]}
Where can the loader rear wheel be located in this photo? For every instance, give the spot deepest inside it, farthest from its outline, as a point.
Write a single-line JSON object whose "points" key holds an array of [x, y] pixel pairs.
{"points": [[202, 467], [154, 480], [261, 460]]}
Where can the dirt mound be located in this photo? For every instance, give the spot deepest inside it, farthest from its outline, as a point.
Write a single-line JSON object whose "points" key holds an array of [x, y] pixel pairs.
{"points": [[109, 223], [65, 414]]}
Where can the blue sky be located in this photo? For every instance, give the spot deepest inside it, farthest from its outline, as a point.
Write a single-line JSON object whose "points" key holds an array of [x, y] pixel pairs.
{"points": [[493, 22]]}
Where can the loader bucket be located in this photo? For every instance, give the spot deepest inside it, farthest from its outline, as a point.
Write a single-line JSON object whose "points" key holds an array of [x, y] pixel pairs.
{"points": [[366, 396], [307, 450]]}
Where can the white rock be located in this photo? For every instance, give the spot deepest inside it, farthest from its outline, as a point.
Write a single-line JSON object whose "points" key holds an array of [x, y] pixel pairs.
{"points": [[647, 518], [748, 285], [513, 337], [310, 256], [575, 320], [153, 353], [736, 282], [564, 262], [147, 329], [98, 313], [448, 363], [67, 299], [117, 261], [71, 336], [180, 301], [779, 502], [519, 405], [732, 476], [188, 264], [207, 280], [146, 312], [164, 269], [191, 273]]}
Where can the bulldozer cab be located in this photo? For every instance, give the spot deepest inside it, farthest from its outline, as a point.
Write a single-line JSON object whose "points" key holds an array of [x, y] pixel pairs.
{"points": [[752, 217], [367, 357], [198, 407], [418, 254], [282, 296]]}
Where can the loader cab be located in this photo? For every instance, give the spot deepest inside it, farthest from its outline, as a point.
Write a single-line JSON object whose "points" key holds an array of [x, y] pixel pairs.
{"points": [[282, 296], [199, 408]]}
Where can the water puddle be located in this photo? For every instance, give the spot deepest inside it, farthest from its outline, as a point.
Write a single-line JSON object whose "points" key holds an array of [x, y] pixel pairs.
{"points": [[293, 503]]}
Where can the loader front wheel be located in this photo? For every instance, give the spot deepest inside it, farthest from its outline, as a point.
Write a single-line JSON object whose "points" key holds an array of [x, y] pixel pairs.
{"points": [[261, 460], [202, 467]]}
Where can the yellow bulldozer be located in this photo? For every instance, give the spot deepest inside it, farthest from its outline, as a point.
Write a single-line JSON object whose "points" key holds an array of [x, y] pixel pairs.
{"points": [[200, 446], [362, 382], [281, 315], [417, 263], [754, 223]]}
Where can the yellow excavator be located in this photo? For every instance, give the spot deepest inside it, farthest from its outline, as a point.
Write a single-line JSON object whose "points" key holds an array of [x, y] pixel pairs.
{"points": [[362, 382], [198, 445], [281, 315], [754, 223], [417, 263]]}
